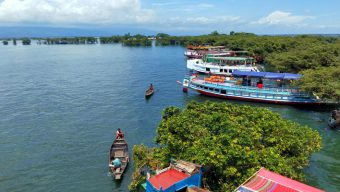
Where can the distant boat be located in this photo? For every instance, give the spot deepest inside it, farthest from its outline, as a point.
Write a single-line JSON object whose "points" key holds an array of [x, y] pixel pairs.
{"points": [[119, 149], [149, 91]]}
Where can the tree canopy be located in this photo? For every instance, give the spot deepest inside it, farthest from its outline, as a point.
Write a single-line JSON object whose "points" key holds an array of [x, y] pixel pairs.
{"points": [[231, 141]]}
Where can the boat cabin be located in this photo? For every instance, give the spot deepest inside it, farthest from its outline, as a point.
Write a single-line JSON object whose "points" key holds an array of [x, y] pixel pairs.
{"points": [[265, 79], [229, 60]]}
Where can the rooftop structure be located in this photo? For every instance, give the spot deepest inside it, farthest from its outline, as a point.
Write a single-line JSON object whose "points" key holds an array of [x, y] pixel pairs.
{"points": [[265, 180], [178, 175]]}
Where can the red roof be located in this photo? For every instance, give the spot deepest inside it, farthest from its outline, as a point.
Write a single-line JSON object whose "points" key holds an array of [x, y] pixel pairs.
{"points": [[167, 178], [267, 181]]}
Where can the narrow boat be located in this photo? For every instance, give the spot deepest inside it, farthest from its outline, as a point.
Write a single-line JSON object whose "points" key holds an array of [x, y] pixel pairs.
{"points": [[253, 86], [149, 91], [119, 150]]}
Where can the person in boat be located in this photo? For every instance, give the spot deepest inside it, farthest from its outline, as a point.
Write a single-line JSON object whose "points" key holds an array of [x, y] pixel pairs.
{"points": [[116, 163], [151, 86], [119, 134]]}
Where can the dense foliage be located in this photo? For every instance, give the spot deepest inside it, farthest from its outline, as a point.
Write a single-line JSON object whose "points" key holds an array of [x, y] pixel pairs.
{"points": [[231, 141], [324, 81], [70, 40], [127, 40]]}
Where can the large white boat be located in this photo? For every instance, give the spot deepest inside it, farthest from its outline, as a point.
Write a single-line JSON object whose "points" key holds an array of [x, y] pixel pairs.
{"points": [[263, 87], [221, 65]]}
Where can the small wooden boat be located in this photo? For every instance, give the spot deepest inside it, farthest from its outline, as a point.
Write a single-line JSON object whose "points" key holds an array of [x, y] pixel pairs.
{"points": [[149, 92], [119, 149], [334, 119]]}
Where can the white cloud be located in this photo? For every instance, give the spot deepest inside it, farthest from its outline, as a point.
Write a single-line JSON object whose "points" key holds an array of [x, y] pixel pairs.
{"points": [[282, 18], [205, 20], [74, 12], [204, 5]]}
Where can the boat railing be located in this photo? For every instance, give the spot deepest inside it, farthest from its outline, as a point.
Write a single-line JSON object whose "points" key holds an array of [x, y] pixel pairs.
{"points": [[278, 90]]}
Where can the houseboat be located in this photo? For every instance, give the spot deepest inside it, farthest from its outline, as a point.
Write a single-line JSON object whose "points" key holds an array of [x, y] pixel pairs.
{"points": [[253, 86], [222, 65]]}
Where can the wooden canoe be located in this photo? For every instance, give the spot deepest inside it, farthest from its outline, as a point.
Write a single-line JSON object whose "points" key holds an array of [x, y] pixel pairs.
{"points": [[149, 92], [119, 149]]}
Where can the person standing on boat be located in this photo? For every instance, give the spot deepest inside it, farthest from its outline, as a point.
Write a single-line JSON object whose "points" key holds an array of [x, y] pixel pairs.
{"points": [[151, 86], [119, 134]]}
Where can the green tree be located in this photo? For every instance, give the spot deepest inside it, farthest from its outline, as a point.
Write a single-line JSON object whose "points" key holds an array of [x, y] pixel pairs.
{"points": [[233, 142], [5, 42], [162, 35], [323, 82], [26, 41], [214, 33]]}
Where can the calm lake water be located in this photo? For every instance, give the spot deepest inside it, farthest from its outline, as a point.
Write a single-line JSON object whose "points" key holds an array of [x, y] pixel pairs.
{"points": [[60, 107]]}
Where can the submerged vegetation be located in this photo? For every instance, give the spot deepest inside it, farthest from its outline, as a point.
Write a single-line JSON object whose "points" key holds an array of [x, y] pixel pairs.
{"points": [[232, 142]]}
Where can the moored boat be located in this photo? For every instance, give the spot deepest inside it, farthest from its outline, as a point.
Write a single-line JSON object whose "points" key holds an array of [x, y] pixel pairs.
{"points": [[118, 157], [253, 86], [220, 64], [334, 119], [149, 91]]}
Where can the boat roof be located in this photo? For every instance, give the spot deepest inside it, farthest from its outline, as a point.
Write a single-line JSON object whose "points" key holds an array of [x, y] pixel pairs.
{"points": [[265, 180], [267, 75], [167, 178], [230, 58]]}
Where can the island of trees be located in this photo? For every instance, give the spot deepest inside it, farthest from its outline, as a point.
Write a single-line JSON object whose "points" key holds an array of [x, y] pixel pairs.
{"points": [[232, 142]]}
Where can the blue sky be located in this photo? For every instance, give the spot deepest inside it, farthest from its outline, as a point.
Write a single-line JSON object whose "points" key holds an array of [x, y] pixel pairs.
{"points": [[184, 17]]}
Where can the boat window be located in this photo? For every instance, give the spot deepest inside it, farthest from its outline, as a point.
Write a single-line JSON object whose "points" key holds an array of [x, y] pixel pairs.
{"points": [[205, 87], [221, 70], [211, 89], [223, 91], [201, 86], [230, 71], [207, 69], [217, 90]]}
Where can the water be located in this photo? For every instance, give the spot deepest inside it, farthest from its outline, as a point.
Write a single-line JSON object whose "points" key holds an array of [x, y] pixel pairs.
{"points": [[60, 107]]}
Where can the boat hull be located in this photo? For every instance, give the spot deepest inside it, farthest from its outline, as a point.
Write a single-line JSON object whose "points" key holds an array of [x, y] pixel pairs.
{"points": [[119, 149], [258, 100], [149, 93]]}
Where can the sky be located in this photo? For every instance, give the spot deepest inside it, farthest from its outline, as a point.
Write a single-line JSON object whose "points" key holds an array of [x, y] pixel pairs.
{"points": [[179, 17]]}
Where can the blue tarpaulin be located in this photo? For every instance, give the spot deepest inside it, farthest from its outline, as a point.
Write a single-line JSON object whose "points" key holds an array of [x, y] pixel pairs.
{"points": [[268, 75]]}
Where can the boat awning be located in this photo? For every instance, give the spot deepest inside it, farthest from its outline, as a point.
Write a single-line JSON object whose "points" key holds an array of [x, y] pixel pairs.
{"points": [[266, 180], [267, 75]]}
